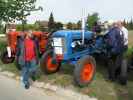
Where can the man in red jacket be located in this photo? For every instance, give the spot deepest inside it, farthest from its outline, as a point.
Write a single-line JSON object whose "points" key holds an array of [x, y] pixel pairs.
{"points": [[29, 58]]}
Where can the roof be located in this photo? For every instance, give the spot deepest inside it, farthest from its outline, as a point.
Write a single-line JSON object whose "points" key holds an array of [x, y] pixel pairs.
{"points": [[43, 23]]}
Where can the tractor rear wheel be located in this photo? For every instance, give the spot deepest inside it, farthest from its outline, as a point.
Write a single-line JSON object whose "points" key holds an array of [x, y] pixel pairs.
{"points": [[5, 59], [47, 64], [84, 71]]}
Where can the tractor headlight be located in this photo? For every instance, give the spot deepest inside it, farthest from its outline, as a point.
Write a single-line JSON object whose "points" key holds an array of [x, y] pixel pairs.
{"points": [[73, 44]]}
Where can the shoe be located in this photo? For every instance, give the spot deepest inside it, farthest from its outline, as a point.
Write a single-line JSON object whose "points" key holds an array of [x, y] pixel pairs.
{"points": [[123, 80], [27, 85]]}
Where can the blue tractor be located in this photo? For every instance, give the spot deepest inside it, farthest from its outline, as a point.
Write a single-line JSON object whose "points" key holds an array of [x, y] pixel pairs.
{"points": [[74, 47]]}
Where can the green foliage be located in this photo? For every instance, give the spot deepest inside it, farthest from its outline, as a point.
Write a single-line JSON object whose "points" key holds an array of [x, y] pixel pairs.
{"points": [[128, 25], [129, 53], [19, 27], [1, 28], [58, 26], [54, 26], [91, 19], [3, 10], [74, 26], [70, 26], [79, 25], [39, 26], [3, 44], [11, 10]]}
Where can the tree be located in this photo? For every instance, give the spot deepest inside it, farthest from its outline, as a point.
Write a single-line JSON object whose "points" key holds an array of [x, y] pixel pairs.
{"points": [[79, 25], [1, 28], [24, 9], [19, 27], [11, 10], [51, 23], [58, 26], [91, 19], [124, 23], [37, 26], [69, 26], [3, 10], [131, 24]]}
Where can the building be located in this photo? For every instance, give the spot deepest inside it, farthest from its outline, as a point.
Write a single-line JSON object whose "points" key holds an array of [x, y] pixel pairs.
{"points": [[43, 25], [10, 27]]}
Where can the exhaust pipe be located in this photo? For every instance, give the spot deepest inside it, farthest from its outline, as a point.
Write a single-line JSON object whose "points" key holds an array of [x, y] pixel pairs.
{"points": [[83, 30]]}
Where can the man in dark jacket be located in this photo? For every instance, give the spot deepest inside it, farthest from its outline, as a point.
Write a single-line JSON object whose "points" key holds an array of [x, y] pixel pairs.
{"points": [[115, 50], [27, 57]]}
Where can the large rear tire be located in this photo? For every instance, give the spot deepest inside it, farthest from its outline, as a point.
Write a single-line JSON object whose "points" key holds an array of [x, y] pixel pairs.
{"points": [[47, 64], [84, 71], [5, 59]]}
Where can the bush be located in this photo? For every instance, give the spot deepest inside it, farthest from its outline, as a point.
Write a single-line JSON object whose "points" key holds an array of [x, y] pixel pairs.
{"points": [[2, 45]]}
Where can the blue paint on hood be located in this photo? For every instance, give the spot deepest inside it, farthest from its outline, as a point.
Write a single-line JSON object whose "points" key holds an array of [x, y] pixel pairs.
{"points": [[75, 34]]}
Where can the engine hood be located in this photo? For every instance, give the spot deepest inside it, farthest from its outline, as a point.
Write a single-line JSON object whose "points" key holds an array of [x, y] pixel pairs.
{"points": [[75, 34]]}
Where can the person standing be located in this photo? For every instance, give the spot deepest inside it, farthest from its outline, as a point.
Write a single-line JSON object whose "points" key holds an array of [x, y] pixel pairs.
{"points": [[115, 44], [123, 68], [19, 50], [124, 32], [29, 58], [97, 28]]}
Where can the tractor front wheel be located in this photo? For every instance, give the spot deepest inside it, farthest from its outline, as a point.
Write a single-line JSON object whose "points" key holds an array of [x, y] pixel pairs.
{"points": [[84, 71], [5, 59], [47, 64]]}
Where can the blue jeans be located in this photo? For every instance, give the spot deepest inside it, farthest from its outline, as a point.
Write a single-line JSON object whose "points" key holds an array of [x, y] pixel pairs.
{"points": [[28, 70]]}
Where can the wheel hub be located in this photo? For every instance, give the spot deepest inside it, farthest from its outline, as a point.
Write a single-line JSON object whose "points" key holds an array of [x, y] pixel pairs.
{"points": [[87, 72]]}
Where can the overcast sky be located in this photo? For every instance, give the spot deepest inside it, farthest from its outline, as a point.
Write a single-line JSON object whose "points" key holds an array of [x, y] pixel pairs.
{"points": [[73, 10]]}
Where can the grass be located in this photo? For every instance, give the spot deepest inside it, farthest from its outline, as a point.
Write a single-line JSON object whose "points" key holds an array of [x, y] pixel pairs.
{"points": [[130, 38], [99, 88], [6, 67], [2, 44]]}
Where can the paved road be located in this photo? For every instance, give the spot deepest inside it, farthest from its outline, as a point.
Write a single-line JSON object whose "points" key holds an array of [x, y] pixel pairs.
{"points": [[12, 90]]}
